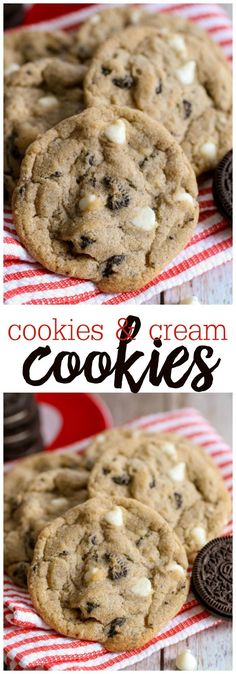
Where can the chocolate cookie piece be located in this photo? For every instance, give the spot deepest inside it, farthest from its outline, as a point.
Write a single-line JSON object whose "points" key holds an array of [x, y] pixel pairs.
{"points": [[37, 491], [183, 81], [212, 576], [107, 588], [223, 185], [37, 96], [22, 433], [168, 473], [107, 195], [24, 46]]}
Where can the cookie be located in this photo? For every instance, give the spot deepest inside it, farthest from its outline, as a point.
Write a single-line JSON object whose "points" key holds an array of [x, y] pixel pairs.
{"points": [[37, 491], [92, 579], [37, 96], [188, 89], [108, 196], [171, 475], [223, 185], [22, 433], [212, 576], [100, 26], [23, 46]]}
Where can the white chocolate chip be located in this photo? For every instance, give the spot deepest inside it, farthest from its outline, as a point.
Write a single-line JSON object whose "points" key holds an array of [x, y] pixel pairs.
{"points": [[198, 535], [95, 19], [181, 195], [100, 438], [116, 132], [12, 68], [48, 101], [59, 502], [142, 588], [190, 300], [186, 661], [186, 73], [93, 574], [136, 434], [115, 517], [89, 202], [208, 150], [177, 473], [176, 568], [136, 16], [168, 448], [177, 43], [144, 219]]}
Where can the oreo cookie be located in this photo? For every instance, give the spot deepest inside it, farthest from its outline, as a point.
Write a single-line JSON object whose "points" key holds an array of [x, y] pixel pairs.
{"points": [[222, 185], [212, 576], [22, 434]]}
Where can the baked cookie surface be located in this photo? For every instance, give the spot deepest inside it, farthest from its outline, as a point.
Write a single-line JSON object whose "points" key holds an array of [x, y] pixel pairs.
{"points": [[169, 474], [108, 571], [23, 46], [37, 96], [100, 26], [37, 491], [181, 80], [118, 203]]}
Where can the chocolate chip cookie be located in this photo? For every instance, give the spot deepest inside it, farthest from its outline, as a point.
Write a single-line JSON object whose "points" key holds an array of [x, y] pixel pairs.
{"points": [[107, 195], [37, 491], [23, 46], [108, 571], [171, 475], [37, 96], [181, 80]]}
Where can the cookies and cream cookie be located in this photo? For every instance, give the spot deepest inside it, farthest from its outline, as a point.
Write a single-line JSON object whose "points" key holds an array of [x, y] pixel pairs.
{"points": [[108, 571], [37, 96], [107, 195], [22, 46], [171, 475], [38, 490], [182, 81], [102, 25]]}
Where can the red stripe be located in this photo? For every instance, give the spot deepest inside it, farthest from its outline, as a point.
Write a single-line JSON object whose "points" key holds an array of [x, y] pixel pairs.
{"points": [[218, 452], [74, 299], [210, 231], [225, 464], [216, 29], [64, 283]]}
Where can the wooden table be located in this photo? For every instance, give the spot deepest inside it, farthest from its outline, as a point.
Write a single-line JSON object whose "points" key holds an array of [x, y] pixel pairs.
{"points": [[212, 648]]}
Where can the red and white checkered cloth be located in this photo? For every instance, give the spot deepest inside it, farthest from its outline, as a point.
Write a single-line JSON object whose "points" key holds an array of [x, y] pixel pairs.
{"points": [[30, 644], [27, 282]]}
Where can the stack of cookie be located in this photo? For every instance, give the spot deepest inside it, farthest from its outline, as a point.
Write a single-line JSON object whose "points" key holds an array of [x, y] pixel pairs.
{"points": [[103, 539], [105, 132]]}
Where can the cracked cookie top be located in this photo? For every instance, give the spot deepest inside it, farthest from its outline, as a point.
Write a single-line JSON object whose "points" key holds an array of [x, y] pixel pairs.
{"points": [[171, 475], [37, 96], [107, 195], [37, 491], [180, 79], [91, 578]]}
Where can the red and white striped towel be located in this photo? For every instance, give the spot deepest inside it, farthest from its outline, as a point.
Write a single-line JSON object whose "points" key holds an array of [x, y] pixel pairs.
{"points": [[27, 282], [30, 644]]}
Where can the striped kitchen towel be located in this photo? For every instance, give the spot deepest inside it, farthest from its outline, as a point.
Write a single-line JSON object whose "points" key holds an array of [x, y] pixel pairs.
{"points": [[30, 644], [27, 282]]}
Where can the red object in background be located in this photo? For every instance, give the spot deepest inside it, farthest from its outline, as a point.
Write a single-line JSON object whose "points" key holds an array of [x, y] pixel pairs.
{"points": [[67, 418], [43, 12]]}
